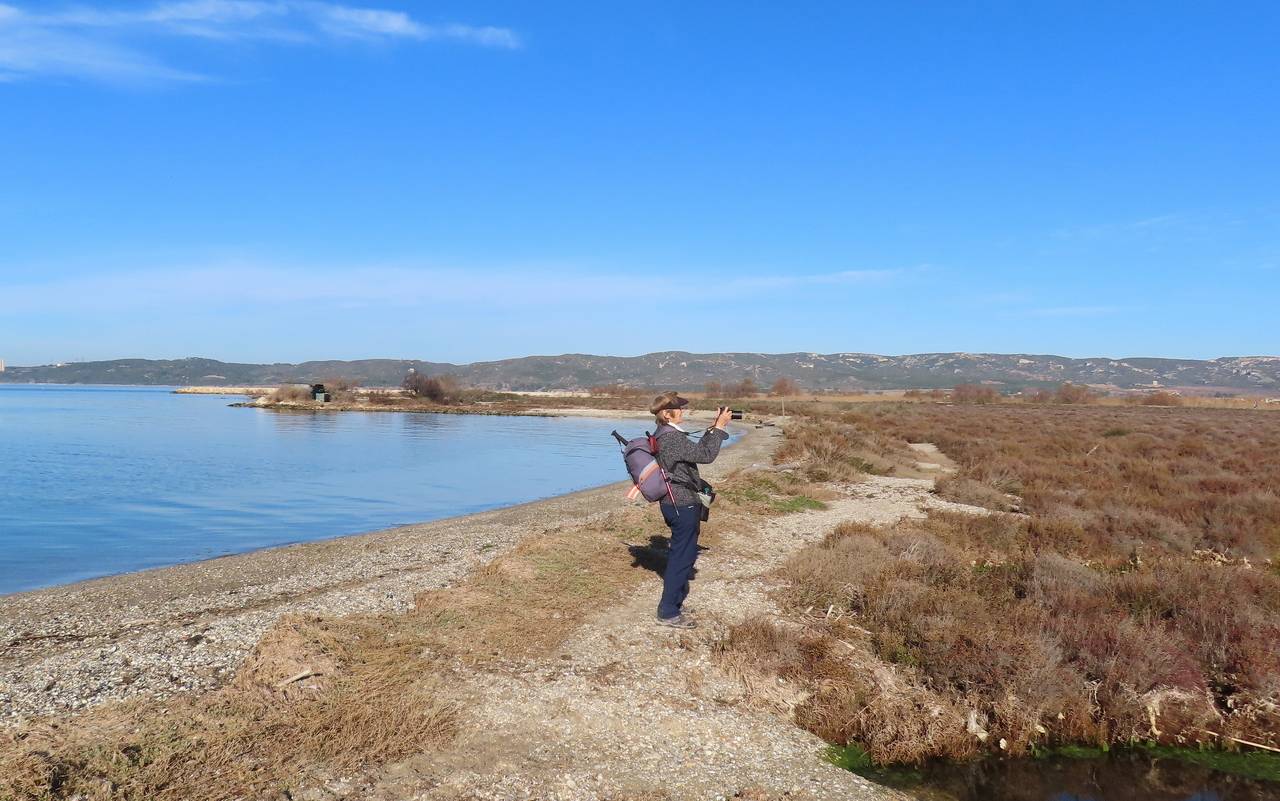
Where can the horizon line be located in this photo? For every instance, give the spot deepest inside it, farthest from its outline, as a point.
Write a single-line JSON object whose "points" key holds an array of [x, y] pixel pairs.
{"points": [[960, 353]]}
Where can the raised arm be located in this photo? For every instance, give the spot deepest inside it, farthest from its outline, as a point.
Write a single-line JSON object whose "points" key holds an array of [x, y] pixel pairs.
{"points": [[678, 448]]}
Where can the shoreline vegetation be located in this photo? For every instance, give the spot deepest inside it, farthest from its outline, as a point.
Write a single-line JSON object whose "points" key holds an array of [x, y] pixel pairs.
{"points": [[1086, 572], [1123, 588], [443, 394]]}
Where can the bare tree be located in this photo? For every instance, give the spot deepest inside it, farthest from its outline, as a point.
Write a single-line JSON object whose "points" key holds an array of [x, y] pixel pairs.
{"points": [[784, 387], [746, 388], [439, 389]]}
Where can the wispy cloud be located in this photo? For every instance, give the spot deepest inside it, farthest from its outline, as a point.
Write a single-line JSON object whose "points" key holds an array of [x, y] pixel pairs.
{"points": [[241, 286], [117, 45], [1074, 311], [1145, 225], [843, 277]]}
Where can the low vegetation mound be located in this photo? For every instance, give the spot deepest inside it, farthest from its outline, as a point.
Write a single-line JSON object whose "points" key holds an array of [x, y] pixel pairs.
{"points": [[1114, 483], [834, 448], [1136, 595]]}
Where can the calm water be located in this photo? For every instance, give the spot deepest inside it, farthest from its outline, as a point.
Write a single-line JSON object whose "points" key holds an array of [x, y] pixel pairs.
{"points": [[1118, 777], [98, 480], [1125, 775]]}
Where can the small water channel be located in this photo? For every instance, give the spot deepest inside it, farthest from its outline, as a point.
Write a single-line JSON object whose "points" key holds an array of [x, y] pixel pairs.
{"points": [[1089, 775]]}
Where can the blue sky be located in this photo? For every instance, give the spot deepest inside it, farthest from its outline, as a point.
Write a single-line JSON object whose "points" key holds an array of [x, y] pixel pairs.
{"points": [[265, 180]]}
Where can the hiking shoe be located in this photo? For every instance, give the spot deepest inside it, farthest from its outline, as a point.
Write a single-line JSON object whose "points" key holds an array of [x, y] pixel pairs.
{"points": [[677, 622]]}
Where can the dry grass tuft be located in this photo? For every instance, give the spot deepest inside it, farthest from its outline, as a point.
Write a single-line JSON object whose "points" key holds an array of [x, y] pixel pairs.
{"points": [[557, 580], [380, 703], [835, 448], [772, 493], [290, 393]]}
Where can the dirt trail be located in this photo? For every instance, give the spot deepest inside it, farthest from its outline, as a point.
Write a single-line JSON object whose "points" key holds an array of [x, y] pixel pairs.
{"points": [[932, 459], [566, 689], [627, 709]]}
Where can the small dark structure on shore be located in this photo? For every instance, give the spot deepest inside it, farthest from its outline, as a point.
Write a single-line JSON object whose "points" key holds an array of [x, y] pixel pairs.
{"points": [[319, 394]]}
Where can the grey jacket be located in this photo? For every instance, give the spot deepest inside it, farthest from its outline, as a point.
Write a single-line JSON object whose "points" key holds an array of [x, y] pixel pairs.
{"points": [[680, 457]]}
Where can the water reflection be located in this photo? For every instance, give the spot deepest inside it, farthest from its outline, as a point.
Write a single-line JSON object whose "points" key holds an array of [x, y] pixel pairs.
{"points": [[1129, 776], [290, 422], [422, 425]]}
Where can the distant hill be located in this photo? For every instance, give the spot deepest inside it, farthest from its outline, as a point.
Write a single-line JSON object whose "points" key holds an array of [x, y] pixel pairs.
{"points": [[678, 370]]}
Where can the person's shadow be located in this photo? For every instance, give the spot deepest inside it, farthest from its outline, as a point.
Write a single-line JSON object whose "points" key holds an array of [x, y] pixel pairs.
{"points": [[653, 556]]}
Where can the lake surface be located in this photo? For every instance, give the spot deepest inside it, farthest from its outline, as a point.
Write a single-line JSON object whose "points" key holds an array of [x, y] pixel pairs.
{"points": [[102, 480]]}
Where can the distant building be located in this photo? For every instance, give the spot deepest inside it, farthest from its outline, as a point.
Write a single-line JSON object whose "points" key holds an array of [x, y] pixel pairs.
{"points": [[1, 365]]}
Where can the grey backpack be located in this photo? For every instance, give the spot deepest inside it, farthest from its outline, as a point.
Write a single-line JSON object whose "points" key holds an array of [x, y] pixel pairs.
{"points": [[647, 476]]}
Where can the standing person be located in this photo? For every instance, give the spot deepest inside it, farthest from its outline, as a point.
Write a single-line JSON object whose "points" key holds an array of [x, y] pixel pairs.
{"points": [[680, 459]]}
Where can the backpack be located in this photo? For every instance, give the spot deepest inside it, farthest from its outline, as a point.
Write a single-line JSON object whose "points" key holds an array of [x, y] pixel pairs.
{"points": [[649, 479]]}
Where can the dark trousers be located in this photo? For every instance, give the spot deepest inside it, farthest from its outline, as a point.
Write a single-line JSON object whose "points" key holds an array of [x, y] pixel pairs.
{"points": [[684, 552]]}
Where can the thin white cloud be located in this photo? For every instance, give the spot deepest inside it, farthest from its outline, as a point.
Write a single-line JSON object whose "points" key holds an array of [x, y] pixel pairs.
{"points": [[1003, 297], [486, 35], [820, 279], [27, 51], [344, 21], [1158, 222], [209, 12], [242, 286], [1074, 311], [114, 45]]}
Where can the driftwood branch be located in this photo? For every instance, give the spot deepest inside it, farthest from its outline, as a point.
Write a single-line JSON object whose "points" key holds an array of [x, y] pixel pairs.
{"points": [[306, 674], [1238, 741]]}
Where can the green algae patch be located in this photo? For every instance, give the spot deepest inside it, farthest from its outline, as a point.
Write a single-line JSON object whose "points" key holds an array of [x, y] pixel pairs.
{"points": [[1259, 765], [855, 759], [1071, 752], [1255, 766], [798, 503]]}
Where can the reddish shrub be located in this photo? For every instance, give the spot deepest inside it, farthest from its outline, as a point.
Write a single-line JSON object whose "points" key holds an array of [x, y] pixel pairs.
{"points": [[1136, 597], [973, 393], [1074, 393], [1161, 398]]}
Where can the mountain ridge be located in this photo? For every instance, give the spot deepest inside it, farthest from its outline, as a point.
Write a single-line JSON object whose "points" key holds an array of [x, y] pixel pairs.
{"points": [[850, 371]]}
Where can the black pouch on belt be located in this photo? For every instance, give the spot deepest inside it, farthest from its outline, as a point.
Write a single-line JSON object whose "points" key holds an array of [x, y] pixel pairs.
{"points": [[706, 497]]}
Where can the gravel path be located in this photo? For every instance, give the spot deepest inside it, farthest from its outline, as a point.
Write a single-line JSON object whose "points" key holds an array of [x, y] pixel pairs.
{"points": [[628, 709], [625, 710]]}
